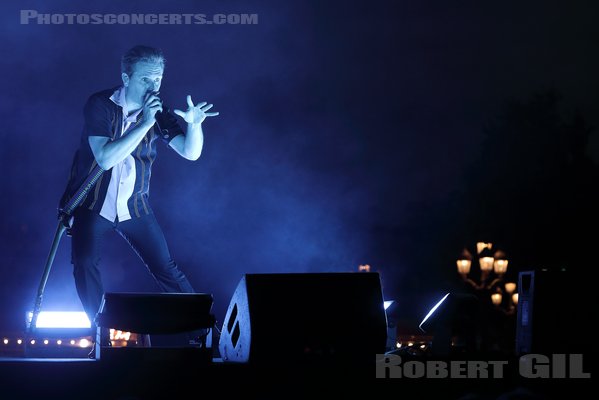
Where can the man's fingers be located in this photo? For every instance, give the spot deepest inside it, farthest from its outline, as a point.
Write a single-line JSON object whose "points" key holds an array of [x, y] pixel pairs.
{"points": [[203, 106], [151, 101], [154, 103], [150, 94]]}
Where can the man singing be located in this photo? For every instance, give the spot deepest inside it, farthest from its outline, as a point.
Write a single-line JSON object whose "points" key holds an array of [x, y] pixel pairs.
{"points": [[122, 126]]}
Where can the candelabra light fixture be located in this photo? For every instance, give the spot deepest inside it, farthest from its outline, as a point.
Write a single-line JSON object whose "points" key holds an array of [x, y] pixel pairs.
{"points": [[493, 267]]}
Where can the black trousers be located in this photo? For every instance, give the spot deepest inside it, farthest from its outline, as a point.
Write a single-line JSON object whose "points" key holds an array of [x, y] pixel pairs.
{"points": [[143, 234]]}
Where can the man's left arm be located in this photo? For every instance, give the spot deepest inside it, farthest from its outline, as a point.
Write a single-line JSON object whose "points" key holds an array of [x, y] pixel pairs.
{"points": [[190, 145]]}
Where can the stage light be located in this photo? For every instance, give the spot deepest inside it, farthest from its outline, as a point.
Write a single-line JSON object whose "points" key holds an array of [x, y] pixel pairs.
{"points": [[60, 319], [390, 307], [432, 311], [51, 344], [454, 316], [116, 334], [52, 328], [5, 341], [19, 341]]}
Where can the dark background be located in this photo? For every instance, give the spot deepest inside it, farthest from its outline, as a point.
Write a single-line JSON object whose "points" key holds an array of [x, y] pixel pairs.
{"points": [[388, 133]]}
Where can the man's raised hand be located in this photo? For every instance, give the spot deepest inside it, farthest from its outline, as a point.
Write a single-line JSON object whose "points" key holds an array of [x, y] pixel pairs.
{"points": [[196, 114]]}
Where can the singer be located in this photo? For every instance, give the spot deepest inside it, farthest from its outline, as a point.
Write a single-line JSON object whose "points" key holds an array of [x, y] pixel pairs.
{"points": [[121, 129]]}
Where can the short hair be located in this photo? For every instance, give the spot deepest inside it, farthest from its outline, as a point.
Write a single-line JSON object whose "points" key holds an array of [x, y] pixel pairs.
{"points": [[140, 53]]}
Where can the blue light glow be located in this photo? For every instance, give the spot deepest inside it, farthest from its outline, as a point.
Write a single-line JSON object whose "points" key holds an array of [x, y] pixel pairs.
{"points": [[61, 319], [388, 303], [433, 310]]}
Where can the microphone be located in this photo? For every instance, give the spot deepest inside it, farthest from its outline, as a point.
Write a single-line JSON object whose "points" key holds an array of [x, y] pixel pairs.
{"points": [[160, 117]]}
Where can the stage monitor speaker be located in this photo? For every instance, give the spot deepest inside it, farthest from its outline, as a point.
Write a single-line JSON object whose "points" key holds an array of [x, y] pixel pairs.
{"points": [[156, 313], [553, 313], [311, 316]]}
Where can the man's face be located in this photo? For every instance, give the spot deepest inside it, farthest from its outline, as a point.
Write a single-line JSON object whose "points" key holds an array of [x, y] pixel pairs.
{"points": [[146, 77]]}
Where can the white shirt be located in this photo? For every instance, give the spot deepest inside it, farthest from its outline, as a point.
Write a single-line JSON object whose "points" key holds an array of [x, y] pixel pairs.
{"points": [[122, 179]]}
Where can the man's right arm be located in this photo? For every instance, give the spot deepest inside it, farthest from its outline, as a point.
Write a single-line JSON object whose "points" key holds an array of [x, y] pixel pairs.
{"points": [[109, 153]]}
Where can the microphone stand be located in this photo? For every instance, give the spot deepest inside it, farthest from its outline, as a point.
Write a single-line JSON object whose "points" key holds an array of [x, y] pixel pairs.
{"points": [[64, 223]]}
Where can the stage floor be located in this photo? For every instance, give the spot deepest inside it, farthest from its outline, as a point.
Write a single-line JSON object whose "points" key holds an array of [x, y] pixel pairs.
{"points": [[80, 378]]}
